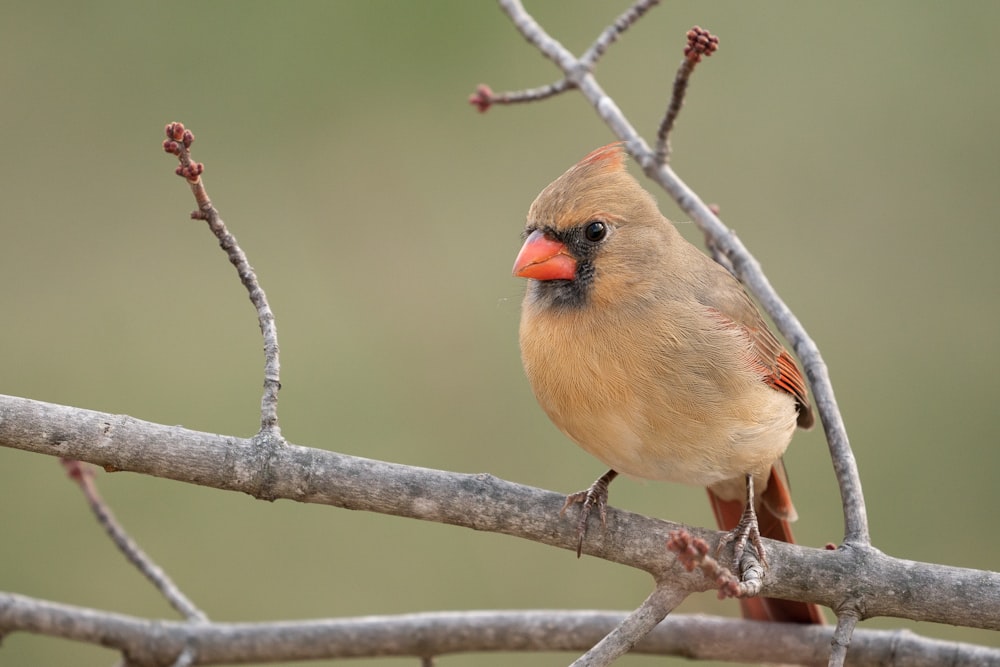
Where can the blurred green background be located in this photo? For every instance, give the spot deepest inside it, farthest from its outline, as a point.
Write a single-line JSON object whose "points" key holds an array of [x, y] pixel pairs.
{"points": [[853, 146]]}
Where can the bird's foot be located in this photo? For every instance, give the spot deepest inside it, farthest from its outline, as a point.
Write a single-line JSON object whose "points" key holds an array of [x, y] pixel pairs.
{"points": [[748, 551], [594, 496], [745, 535]]}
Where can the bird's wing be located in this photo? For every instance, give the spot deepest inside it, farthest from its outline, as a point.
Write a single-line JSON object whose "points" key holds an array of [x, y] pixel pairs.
{"points": [[778, 368]]}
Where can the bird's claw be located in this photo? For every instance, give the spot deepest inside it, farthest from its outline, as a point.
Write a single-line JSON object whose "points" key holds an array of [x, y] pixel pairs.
{"points": [[594, 496], [745, 534], [588, 500]]}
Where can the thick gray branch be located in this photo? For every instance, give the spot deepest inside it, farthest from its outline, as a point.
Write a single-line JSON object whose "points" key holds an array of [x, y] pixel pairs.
{"points": [[148, 642], [854, 575]]}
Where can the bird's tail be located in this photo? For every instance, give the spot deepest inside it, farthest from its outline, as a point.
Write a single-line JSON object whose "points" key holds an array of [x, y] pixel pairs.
{"points": [[773, 516]]}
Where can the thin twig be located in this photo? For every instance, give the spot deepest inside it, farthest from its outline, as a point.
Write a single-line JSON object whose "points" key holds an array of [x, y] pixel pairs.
{"points": [[484, 97], [186, 658], [83, 475], [178, 143], [846, 622], [633, 627], [536, 36], [700, 43], [614, 31]]}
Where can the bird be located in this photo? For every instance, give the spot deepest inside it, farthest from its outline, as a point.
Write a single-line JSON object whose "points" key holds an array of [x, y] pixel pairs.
{"points": [[653, 358]]}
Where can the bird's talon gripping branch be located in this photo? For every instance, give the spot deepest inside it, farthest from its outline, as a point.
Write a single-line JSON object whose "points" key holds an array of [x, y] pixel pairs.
{"points": [[594, 496], [746, 533]]}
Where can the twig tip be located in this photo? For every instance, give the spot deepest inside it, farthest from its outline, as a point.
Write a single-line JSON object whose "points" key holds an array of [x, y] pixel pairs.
{"points": [[178, 142], [482, 99], [700, 42], [175, 131]]}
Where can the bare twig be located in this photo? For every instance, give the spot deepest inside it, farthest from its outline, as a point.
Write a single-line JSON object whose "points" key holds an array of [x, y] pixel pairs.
{"points": [[533, 32], [700, 43], [633, 627], [178, 143], [484, 97], [83, 475], [846, 622], [614, 31]]}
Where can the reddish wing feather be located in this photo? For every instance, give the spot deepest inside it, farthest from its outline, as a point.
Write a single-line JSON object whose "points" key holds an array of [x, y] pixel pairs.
{"points": [[787, 377], [777, 367]]}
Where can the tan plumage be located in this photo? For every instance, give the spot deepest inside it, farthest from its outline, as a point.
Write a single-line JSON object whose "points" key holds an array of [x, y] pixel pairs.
{"points": [[644, 351]]}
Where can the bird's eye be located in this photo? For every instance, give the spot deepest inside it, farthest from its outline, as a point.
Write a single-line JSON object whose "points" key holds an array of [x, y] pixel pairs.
{"points": [[595, 231]]}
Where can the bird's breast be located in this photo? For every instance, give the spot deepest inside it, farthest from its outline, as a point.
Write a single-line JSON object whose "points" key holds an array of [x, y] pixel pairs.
{"points": [[664, 394]]}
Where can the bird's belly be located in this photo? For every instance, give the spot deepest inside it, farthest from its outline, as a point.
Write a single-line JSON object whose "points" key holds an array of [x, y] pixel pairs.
{"points": [[653, 404], [744, 437]]}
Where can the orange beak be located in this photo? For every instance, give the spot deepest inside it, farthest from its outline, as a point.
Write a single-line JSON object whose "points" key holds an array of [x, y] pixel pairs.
{"points": [[543, 258]]}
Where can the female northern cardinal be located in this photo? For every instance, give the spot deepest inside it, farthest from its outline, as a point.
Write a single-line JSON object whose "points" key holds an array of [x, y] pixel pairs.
{"points": [[653, 358]]}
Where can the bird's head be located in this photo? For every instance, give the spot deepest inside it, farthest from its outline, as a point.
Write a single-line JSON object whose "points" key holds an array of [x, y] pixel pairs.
{"points": [[592, 235]]}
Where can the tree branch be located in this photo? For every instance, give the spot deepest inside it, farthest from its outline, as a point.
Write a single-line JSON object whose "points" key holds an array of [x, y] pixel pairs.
{"points": [[877, 583], [158, 642], [614, 31]]}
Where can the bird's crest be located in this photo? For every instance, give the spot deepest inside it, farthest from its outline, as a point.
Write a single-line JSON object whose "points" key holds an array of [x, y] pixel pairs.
{"points": [[604, 159], [598, 185]]}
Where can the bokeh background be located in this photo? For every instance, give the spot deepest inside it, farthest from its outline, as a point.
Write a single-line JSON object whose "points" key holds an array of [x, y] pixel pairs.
{"points": [[853, 146]]}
